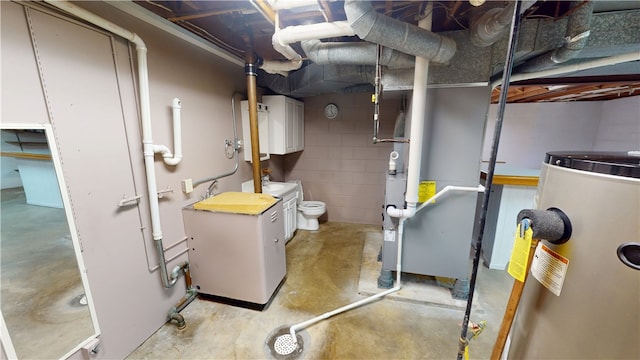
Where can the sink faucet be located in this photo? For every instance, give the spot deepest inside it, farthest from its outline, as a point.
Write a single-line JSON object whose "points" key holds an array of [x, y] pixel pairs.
{"points": [[265, 176]]}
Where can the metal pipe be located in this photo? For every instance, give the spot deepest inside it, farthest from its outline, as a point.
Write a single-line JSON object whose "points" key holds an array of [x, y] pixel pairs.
{"points": [[251, 72], [145, 115], [585, 65], [190, 295], [491, 26], [380, 29], [513, 43], [355, 53], [576, 37], [236, 147]]}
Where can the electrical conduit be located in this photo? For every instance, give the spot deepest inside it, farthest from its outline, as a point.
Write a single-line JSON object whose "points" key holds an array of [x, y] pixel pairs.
{"points": [[145, 114]]}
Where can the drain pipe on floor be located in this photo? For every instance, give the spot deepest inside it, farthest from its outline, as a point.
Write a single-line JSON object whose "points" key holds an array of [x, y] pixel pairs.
{"points": [[305, 324]]}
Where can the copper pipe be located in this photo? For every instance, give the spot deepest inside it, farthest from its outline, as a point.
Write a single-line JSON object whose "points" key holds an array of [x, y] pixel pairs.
{"points": [[251, 71]]}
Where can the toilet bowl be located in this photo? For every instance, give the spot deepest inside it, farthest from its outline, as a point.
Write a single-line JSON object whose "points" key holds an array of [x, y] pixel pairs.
{"points": [[308, 211]]}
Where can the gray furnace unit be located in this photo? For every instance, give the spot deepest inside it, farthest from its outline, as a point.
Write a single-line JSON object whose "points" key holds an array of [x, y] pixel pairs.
{"points": [[437, 240]]}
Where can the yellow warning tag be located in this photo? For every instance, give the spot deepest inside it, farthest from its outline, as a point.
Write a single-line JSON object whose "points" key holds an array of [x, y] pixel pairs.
{"points": [[520, 254], [426, 190]]}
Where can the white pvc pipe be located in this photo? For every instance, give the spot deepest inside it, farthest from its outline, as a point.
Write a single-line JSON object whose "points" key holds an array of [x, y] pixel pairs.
{"points": [[282, 38], [400, 236], [168, 158], [291, 4], [145, 114], [316, 31]]}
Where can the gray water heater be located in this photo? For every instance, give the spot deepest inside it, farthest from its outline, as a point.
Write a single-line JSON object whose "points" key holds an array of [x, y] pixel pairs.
{"points": [[597, 312]]}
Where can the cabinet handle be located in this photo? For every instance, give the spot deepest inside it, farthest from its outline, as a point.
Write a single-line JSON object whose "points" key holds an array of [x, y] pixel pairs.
{"points": [[276, 240]]}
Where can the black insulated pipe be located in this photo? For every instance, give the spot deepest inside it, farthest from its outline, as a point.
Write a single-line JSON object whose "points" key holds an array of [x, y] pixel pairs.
{"points": [[576, 38], [552, 225], [502, 102]]}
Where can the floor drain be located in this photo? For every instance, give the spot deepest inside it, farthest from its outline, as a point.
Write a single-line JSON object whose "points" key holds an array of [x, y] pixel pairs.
{"points": [[281, 345], [284, 345]]}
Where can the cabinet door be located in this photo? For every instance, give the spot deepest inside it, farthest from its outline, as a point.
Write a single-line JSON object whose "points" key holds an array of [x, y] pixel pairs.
{"points": [[298, 127], [290, 125]]}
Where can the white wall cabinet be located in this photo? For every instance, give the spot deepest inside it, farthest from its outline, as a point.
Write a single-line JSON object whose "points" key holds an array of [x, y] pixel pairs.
{"points": [[286, 124], [263, 130]]}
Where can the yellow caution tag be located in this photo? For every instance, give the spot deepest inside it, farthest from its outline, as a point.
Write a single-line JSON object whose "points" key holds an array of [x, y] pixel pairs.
{"points": [[520, 254], [426, 190], [466, 353]]}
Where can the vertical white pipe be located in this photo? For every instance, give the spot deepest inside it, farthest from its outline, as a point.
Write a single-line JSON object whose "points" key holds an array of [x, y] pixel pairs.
{"points": [[175, 159], [145, 114], [418, 116]]}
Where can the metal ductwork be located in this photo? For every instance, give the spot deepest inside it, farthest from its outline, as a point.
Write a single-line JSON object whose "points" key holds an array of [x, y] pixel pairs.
{"points": [[354, 53], [377, 28], [492, 25], [576, 37]]}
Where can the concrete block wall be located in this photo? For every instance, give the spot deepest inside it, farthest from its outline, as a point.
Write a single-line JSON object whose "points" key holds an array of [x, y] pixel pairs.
{"points": [[340, 165]]}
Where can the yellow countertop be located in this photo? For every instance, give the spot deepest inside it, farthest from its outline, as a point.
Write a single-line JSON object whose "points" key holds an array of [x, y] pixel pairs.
{"points": [[508, 175], [237, 202]]}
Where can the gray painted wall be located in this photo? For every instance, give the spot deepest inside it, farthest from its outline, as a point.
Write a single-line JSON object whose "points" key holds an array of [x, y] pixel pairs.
{"points": [[531, 130]]}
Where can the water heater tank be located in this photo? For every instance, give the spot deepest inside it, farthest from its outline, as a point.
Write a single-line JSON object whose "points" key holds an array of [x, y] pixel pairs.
{"points": [[597, 312]]}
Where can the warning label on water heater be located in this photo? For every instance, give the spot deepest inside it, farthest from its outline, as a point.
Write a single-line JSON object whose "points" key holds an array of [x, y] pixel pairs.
{"points": [[549, 268]]}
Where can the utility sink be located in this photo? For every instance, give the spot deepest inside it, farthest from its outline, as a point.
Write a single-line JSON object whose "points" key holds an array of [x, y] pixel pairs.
{"points": [[274, 188]]}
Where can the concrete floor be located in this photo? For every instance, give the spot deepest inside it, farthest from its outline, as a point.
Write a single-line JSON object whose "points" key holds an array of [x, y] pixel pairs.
{"points": [[325, 270], [41, 282]]}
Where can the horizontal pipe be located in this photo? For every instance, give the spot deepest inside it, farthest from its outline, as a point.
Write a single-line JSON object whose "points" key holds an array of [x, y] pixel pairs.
{"points": [[378, 28], [355, 53], [324, 30], [292, 4], [564, 69]]}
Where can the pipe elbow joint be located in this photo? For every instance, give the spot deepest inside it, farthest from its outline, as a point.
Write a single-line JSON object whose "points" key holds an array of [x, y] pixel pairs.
{"points": [[172, 160]]}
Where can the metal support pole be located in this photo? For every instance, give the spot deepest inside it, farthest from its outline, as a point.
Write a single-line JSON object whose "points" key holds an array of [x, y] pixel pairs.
{"points": [[513, 41]]}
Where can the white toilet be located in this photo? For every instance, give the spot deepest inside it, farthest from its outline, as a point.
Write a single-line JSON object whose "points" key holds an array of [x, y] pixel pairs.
{"points": [[308, 211]]}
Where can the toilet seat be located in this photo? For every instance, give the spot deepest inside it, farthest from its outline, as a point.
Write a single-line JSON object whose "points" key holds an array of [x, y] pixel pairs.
{"points": [[311, 204], [312, 207], [308, 211]]}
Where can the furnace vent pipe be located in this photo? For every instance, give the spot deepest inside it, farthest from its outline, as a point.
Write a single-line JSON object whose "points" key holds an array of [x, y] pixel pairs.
{"points": [[492, 25], [576, 37], [355, 53], [377, 28], [145, 114], [282, 38]]}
